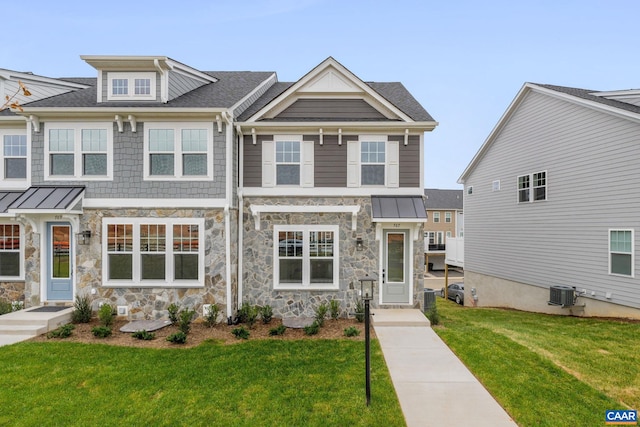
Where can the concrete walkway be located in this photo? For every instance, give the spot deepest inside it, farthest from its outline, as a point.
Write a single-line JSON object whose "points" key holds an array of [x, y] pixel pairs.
{"points": [[25, 324], [433, 386]]}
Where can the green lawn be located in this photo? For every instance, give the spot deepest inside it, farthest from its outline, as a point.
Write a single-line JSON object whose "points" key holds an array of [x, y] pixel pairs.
{"points": [[547, 370], [257, 383]]}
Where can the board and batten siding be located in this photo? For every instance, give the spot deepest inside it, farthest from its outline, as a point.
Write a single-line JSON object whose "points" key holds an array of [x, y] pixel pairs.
{"points": [[591, 159]]}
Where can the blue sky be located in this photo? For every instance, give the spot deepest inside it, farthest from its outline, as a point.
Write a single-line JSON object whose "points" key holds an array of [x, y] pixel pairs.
{"points": [[464, 61]]}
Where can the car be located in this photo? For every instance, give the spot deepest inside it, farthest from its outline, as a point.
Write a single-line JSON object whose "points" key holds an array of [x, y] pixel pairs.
{"points": [[455, 291]]}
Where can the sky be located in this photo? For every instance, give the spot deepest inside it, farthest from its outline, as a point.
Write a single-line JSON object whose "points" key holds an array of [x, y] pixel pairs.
{"points": [[464, 61]]}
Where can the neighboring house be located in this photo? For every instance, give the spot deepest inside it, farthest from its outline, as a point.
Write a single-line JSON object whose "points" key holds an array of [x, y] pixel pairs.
{"points": [[551, 199], [157, 183], [444, 221]]}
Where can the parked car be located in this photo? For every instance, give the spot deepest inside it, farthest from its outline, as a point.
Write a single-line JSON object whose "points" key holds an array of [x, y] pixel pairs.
{"points": [[455, 291]]}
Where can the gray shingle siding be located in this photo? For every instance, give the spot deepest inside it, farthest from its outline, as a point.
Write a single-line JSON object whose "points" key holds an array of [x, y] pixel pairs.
{"points": [[179, 84]]}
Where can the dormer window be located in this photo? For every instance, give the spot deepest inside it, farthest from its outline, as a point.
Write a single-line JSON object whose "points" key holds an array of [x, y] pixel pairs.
{"points": [[131, 86]]}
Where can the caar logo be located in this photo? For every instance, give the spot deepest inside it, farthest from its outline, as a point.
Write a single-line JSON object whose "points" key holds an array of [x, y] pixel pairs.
{"points": [[621, 417]]}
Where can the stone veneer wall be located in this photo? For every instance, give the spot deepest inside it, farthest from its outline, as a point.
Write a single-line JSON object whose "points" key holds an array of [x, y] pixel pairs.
{"points": [[258, 278], [152, 303]]}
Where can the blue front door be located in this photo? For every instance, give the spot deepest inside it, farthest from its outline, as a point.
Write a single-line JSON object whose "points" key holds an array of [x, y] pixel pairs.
{"points": [[59, 262]]}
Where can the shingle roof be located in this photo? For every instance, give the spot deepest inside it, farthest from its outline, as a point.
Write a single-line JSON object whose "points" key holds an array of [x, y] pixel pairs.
{"points": [[443, 199], [586, 94]]}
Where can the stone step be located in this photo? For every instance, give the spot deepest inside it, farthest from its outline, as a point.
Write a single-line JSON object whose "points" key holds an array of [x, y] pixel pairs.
{"points": [[30, 330]]}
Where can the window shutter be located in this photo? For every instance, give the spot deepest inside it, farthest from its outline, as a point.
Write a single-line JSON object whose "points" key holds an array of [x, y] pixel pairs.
{"points": [[393, 164], [353, 164], [268, 164], [307, 172]]}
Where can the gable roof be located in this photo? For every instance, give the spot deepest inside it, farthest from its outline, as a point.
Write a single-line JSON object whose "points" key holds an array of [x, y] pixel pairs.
{"points": [[436, 199], [584, 97]]}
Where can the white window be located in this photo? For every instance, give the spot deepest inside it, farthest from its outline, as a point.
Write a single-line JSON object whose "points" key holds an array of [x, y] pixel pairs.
{"points": [[495, 186], [372, 160], [181, 151], [621, 252], [14, 165], [436, 217], [153, 252], [447, 217], [306, 257], [131, 86], [11, 252], [287, 161], [532, 187], [78, 151]]}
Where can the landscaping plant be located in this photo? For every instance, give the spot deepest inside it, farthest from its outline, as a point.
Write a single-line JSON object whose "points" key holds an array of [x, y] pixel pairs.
{"points": [[82, 309], [143, 335], [101, 331], [360, 311], [351, 331], [266, 314], [321, 313], [279, 330], [63, 331], [334, 307], [241, 333], [186, 316], [173, 310], [211, 317], [312, 329], [177, 338], [106, 312]]}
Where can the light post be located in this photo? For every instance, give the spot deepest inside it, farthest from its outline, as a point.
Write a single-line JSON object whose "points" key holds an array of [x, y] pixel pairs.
{"points": [[366, 292]]}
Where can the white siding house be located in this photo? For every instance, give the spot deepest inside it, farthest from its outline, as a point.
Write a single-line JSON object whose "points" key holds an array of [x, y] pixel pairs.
{"points": [[552, 198]]}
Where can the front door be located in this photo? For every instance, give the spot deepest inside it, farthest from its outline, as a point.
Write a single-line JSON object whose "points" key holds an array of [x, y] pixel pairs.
{"points": [[395, 267], [59, 262]]}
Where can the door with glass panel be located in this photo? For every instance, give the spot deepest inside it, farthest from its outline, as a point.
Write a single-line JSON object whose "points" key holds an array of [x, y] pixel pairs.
{"points": [[395, 280], [59, 252]]}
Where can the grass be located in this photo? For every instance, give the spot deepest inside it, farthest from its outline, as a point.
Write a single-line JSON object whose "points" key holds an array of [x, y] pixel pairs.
{"points": [[547, 370], [284, 383]]}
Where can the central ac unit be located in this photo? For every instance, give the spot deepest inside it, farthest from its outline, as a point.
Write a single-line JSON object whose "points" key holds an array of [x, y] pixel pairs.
{"points": [[561, 295]]}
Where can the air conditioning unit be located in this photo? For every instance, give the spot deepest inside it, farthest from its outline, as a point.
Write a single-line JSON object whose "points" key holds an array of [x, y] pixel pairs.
{"points": [[561, 295]]}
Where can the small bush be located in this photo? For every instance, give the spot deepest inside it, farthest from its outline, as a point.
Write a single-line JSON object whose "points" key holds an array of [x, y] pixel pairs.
{"points": [[279, 330], [17, 305], [177, 338], [63, 331], [266, 314], [433, 315], [143, 335], [5, 307], [359, 311], [351, 331], [241, 332], [211, 317], [101, 331], [173, 310], [248, 314], [321, 313], [82, 312], [312, 329], [105, 314], [186, 316], [334, 308]]}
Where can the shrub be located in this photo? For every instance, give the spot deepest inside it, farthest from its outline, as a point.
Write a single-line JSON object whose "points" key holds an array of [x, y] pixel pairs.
{"points": [[186, 316], [351, 331], [248, 314], [101, 331], [17, 305], [143, 335], [173, 310], [177, 338], [334, 307], [211, 317], [359, 311], [5, 307], [105, 314], [433, 315], [266, 314], [312, 329], [279, 330], [63, 331], [321, 313], [82, 312], [241, 332]]}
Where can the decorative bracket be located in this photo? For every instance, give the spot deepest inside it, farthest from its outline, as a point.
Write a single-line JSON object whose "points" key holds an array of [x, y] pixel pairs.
{"points": [[406, 137], [35, 122], [132, 122], [219, 122], [118, 120], [321, 141], [254, 136]]}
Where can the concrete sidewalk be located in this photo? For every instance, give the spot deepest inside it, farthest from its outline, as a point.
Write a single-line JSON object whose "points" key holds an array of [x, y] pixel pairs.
{"points": [[433, 386]]}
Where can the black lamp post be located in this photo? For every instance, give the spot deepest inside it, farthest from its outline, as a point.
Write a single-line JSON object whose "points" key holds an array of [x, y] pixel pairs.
{"points": [[366, 292]]}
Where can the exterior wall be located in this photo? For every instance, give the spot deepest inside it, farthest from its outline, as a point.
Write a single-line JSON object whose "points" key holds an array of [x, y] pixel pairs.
{"points": [[496, 292], [591, 162], [128, 180], [104, 86], [409, 160], [442, 225], [330, 109], [179, 84]]}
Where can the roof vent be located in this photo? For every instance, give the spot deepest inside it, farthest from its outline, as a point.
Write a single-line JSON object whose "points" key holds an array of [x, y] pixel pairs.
{"points": [[562, 296]]}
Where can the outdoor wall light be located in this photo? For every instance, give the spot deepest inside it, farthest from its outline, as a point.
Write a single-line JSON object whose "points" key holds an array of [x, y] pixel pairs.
{"points": [[84, 237], [359, 244]]}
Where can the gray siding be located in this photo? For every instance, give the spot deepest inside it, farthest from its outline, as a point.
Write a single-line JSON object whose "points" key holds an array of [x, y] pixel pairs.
{"points": [[591, 159], [179, 84], [253, 160], [409, 160], [128, 171], [335, 109], [330, 161]]}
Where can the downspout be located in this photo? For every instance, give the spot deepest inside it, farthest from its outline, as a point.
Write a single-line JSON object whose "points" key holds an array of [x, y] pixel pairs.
{"points": [[227, 236], [228, 118], [240, 213]]}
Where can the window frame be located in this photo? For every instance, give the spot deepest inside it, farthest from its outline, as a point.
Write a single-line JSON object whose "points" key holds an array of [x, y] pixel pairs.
{"points": [[78, 152], [530, 189], [136, 253], [631, 253], [131, 78], [378, 141], [306, 258], [14, 183], [283, 139], [447, 217], [436, 217], [178, 153], [20, 252]]}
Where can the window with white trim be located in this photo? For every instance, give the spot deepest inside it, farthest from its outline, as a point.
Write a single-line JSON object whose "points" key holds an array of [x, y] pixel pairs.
{"points": [[131, 86], [373, 160], [621, 252], [436, 217], [153, 252], [178, 151], [306, 257], [78, 151], [288, 161], [447, 217], [11, 252], [532, 187], [13, 157]]}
